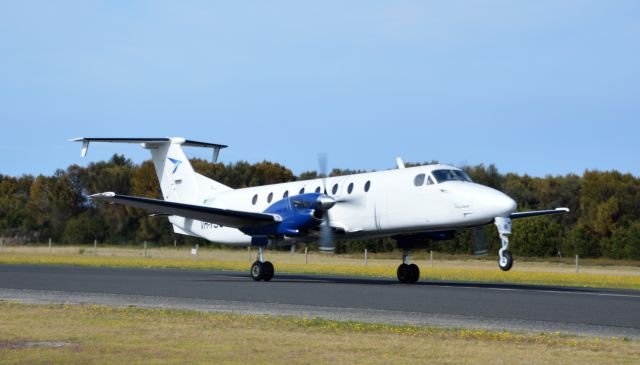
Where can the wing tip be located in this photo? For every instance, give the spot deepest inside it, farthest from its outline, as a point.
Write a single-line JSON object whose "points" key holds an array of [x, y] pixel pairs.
{"points": [[105, 195]]}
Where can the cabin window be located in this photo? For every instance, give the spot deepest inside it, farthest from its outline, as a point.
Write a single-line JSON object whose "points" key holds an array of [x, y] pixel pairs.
{"points": [[350, 188], [255, 199], [318, 189], [269, 197], [301, 191], [334, 189], [367, 186], [286, 194], [429, 180], [419, 180]]}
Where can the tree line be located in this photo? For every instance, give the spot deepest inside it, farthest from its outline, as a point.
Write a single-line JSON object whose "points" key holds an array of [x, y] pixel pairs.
{"points": [[604, 219]]}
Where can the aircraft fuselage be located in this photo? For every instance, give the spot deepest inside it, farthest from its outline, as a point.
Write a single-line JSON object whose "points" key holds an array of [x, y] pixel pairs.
{"points": [[375, 204]]}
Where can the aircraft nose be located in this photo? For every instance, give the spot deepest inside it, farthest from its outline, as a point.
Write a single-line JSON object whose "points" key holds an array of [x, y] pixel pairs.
{"points": [[495, 203], [504, 204]]}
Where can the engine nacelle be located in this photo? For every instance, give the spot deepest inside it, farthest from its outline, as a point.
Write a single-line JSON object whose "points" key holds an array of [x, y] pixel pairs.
{"points": [[299, 213]]}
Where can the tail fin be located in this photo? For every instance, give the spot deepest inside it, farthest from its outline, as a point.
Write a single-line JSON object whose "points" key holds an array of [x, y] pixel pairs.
{"points": [[178, 181]]}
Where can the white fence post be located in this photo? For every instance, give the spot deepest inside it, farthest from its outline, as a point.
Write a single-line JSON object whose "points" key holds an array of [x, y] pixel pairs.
{"points": [[365, 256], [95, 247], [306, 255], [249, 253], [145, 248], [577, 264], [49, 246], [194, 251], [431, 258]]}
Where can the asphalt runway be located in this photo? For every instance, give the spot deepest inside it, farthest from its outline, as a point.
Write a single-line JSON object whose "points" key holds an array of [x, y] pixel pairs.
{"points": [[582, 311]]}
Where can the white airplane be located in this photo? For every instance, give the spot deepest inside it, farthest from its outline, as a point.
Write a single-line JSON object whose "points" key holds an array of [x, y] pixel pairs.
{"points": [[406, 204]]}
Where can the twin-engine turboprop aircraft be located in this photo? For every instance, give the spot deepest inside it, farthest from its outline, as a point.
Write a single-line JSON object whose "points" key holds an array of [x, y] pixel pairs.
{"points": [[405, 204]]}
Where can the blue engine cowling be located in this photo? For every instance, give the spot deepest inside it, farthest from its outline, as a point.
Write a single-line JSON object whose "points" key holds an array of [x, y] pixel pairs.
{"points": [[299, 213]]}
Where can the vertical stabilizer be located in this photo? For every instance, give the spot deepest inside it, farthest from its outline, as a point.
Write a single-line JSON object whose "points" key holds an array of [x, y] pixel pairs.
{"points": [[178, 181]]}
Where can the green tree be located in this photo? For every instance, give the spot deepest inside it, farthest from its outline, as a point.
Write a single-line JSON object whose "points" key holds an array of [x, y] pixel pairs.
{"points": [[485, 175], [540, 237], [625, 242], [580, 240], [85, 228], [53, 201], [522, 189]]}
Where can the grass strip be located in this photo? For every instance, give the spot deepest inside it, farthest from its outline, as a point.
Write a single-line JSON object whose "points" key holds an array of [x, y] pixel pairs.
{"points": [[106, 335]]}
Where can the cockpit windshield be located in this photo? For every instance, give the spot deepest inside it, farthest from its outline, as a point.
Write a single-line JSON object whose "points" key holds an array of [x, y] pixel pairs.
{"points": [[450, 175]]}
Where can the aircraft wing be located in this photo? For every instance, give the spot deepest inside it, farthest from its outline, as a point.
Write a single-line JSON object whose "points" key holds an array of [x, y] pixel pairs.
{"points": [[534, 213], [223, 217]]}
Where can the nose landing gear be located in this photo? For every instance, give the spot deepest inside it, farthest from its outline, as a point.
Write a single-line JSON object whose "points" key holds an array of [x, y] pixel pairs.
{"points": [[260, 269], [504, 229], [407, 273]]}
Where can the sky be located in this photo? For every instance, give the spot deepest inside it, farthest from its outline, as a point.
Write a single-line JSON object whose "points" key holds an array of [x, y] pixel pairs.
{"points": [[537, 87]]}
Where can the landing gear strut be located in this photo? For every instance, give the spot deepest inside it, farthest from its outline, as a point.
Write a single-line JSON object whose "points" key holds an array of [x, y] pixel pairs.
{"points": [[260, 269], [504, 229], [407, 273]]}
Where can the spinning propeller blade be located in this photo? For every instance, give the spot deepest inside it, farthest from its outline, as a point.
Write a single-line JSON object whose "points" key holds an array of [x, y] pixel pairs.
{"points": [[479, 242], [327, 244]]}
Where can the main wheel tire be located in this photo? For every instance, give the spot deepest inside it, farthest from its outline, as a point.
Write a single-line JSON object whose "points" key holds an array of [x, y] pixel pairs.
{"points": [[404, 273], [257, 271], [415, 273], [269, 270], [509, 261]]}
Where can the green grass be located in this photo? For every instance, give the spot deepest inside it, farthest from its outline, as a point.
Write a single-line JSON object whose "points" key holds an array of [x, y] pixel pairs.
{"points": [[105, 335]]}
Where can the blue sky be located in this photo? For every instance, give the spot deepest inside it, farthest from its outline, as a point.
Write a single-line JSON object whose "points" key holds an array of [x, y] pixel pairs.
{"points": [[538, 87]]}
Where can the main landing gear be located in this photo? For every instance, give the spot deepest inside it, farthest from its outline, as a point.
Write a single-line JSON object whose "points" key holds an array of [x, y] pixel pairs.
{"points": [[262, 270], [504, 229], [407, 273]]}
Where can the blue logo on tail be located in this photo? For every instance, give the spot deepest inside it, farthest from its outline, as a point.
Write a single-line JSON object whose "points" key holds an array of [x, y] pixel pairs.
{"points": [[176, 163]]}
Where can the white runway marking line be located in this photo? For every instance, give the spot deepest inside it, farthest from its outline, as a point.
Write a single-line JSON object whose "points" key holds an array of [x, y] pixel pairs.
{"points": [[547, 291]]}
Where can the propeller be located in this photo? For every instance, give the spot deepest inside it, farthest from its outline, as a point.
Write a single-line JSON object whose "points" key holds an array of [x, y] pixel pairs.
{"points": [[479, 242], [327, 244]]}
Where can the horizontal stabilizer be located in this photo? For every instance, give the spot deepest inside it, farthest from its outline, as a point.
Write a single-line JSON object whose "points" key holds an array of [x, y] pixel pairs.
{"points": [[535, 213], [223, 217], [150, 142]]}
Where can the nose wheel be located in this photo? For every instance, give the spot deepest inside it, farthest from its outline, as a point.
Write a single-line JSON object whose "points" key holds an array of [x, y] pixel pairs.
{"points": [[506, 261], [504, 229], [407, 273], [260, 269]]}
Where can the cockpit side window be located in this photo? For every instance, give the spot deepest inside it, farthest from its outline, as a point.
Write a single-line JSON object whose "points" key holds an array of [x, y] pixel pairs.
{"points": [[419, 180], [450, 175], [462, 175]]}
